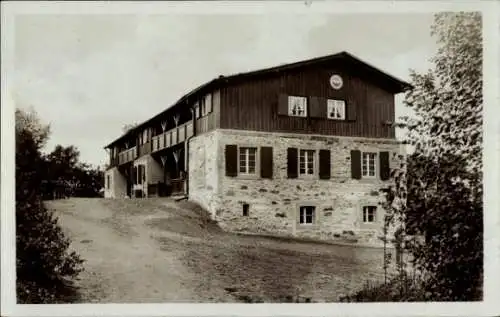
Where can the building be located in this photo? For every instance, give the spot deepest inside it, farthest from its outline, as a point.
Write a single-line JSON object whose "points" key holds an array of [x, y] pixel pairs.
{"points": [[299, 149]]}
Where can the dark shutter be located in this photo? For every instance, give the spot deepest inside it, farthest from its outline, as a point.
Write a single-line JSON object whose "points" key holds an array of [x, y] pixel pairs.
{"points": [[283, 105], [292, 158], [385, 172], [231, 155], [324, 164], [356, 164], [317, 107], [351, 110], [266, 162]]}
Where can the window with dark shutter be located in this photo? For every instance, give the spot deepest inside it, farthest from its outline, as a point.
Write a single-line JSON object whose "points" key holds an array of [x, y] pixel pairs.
{"points": [[231, 156], [266, 162], [356, 164], [317, 107], [324, 164], [283, 104], [292, 156], [384, 166]]}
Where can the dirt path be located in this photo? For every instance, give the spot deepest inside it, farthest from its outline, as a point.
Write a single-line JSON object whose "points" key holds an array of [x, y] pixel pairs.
{"points": [[123, 262], [156, 250]]}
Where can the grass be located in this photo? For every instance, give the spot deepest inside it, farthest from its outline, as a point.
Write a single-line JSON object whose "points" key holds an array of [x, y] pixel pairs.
{"points": [[158, 250]]}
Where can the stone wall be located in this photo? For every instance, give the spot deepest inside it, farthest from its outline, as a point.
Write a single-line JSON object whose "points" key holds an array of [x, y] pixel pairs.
{"points": [[203, 170], [274, 203], [117, 185]]}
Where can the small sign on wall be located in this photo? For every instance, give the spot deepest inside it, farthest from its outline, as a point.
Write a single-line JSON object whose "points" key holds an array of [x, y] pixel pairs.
{"points": [[336, 82]]}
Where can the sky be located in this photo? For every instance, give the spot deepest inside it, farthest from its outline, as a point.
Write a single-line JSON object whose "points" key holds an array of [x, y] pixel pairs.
{"points": [[89, 75]]}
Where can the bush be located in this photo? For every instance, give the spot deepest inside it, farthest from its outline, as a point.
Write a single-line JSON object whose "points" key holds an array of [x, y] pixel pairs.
{"points": [[398, 289], [45, 266]]}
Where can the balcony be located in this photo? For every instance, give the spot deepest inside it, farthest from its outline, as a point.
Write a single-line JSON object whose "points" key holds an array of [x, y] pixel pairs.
{"points": [[167, 139], [127, 155], [172, 137]]}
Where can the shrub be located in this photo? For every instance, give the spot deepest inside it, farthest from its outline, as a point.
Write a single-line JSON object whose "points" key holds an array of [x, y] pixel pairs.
{"points": [[398, 289], [45, 266]]}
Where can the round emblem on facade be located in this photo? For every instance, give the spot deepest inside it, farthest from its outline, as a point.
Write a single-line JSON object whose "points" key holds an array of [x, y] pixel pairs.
{"points": [[336, 82]]}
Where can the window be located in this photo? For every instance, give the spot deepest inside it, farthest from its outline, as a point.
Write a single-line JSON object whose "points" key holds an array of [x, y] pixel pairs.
{"points": [[247, 161], [108, 181], [197, 110], [369, 214], [246, 207], [368, 166], [306, 162], [297, 106], [336, 109], [208, 104], [307, 214]]}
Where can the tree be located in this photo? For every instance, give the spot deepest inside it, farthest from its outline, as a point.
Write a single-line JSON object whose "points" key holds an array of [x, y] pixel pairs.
{"points": [[128, 127], [435, 206], [29, 121], [448, 100], [44, 265], [439, 194]]}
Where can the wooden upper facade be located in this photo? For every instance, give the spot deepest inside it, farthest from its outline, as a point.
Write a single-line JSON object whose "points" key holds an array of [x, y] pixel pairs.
{"points": [[331, 95]]}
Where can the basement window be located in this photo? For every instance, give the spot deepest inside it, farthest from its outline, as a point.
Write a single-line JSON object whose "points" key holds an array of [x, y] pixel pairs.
{"points": [[306, 215], [369, 214], [246, 208]]}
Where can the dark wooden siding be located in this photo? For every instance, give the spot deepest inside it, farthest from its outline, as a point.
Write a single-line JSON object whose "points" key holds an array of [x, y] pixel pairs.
{"points": [[253, 104], [210, 121]]}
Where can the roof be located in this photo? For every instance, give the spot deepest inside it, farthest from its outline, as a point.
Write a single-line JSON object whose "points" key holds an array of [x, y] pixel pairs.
{"points": [[396, 85]]}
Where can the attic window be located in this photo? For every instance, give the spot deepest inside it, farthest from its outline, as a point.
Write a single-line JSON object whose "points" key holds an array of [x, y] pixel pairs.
{"points": [[336, 109], [297, 106]]}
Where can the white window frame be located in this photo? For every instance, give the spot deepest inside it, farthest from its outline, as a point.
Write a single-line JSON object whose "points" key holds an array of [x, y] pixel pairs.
{"points": [[365, 161], [308, 153], [365, 214], [291, 102], [337, 107], [247, 155], [303, 215]]}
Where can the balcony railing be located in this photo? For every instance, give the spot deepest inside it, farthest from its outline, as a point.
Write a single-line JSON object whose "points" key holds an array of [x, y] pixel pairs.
{"points": [[172, 137], [144, 149], [167, 139], [127, 155]]}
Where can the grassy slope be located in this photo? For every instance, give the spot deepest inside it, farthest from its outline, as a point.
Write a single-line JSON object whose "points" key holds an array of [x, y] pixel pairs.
{"points": [[157, 250]]}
